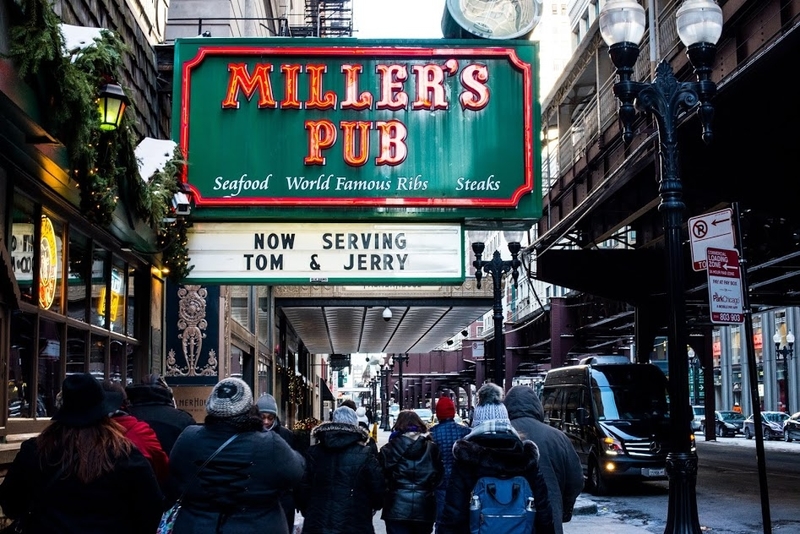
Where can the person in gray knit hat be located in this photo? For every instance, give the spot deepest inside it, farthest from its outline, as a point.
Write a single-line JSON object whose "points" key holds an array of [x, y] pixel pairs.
{"points": [[229, 398], [241, 488], [494, 449], [343, 484], [490, 405], [268, 409]]}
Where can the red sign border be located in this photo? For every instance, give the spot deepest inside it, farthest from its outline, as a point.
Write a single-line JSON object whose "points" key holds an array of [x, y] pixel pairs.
{"points": [[365, 51]]}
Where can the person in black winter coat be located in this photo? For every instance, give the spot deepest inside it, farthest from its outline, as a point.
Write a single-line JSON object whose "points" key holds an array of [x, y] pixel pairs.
{"points": [[559, 463], [268, 409], [413, 468], [239, 490], [492, 448], [343, 484], [151, 401], [81, 475]]}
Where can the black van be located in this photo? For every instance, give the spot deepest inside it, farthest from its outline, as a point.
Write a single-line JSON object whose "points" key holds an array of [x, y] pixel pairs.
{"points": [[615, 413]]}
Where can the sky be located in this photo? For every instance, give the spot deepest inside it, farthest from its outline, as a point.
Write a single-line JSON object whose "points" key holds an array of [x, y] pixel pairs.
{"points": [[397, 19]]}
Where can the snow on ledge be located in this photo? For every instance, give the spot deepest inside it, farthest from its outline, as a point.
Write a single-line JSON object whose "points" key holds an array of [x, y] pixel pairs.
{"points": [[152, 154], [77, 38]]}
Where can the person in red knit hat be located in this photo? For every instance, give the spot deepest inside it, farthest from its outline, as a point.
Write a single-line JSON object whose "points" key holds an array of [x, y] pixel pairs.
{"points": [[444, 434]]}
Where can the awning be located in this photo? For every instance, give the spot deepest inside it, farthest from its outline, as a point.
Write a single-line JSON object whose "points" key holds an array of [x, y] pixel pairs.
{"points": [[326, 391]]}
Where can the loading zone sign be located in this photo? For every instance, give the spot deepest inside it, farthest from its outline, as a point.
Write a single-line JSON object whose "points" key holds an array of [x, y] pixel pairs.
{"points": [[724, 286], [713, 229]]}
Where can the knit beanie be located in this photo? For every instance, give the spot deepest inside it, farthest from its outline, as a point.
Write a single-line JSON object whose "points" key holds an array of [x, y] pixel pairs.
{"points": [[490, 405], [346, 415], [361, 415], [266, 404], [445, 409], [229, 398]]}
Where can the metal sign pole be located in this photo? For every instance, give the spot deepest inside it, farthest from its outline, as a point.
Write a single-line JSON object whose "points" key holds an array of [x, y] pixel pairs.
{"points": [[752, 374]]}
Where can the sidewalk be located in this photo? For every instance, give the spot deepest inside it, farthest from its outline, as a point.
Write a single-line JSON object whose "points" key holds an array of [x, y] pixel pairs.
{"points": [[586, 518]]}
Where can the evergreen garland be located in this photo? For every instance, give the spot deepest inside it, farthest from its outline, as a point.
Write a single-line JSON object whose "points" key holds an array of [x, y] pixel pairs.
{"points": [[102, 162]]}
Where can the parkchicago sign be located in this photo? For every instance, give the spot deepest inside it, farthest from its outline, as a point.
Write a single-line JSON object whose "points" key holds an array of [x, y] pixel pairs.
{"points": [[344, 123]]}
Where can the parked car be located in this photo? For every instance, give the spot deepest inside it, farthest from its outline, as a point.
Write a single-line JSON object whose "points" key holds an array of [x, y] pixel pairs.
{"points": [[699, 415], [726, 423], [791, 427], [771, 424]]}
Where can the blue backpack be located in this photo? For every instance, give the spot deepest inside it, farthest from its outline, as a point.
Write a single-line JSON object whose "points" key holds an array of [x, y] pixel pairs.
{"points": [[502, 506]]}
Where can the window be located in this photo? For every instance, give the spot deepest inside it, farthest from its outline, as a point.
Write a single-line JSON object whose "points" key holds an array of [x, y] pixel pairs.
{"points": [[116, 310], [49, 367], [100, 302], [23, 246], [78, 275], [20, 364]]}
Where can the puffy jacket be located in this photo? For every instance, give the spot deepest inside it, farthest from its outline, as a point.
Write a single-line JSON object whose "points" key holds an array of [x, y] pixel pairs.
{"points": [[343, 483], [413, 468], [492, 449], [239, 490], [146, 441], [558, 462], [154, 406]]}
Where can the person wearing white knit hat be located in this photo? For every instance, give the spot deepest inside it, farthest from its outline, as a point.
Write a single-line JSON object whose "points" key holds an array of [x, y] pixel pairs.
{"points": [[492, 449]]}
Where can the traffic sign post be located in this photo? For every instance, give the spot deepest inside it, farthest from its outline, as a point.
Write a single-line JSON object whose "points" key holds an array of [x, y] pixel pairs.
{"points": [[724, 286], [713, 229]]}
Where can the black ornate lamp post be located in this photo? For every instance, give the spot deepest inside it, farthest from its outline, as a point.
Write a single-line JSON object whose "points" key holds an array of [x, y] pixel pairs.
{"points": [[497, 267], [386, 372], [699, 24], [401, 359], [373, 383], [787, 352]]}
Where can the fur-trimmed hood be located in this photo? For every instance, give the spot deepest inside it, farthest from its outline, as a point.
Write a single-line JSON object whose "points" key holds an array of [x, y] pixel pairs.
{"points": [[339, 435], [503, 453]]}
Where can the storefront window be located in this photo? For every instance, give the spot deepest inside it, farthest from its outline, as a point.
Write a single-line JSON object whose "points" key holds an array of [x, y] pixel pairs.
{"points": [[116, 372], [758, 338], [20, 364], [130, 314], [100, 296], [77, 304], [736, 345], [23, 246], [97, 357], [239, 305], [237, 357], [76, 351], [49, 371], [118, 296], [263, 313]]}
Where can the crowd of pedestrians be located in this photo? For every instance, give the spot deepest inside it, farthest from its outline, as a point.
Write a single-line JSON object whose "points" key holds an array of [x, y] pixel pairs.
{"points": [[115, 459]]}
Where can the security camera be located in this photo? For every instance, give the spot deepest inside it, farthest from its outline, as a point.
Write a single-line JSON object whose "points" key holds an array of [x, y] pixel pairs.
{"points": [[387, 314], [181, 204]]}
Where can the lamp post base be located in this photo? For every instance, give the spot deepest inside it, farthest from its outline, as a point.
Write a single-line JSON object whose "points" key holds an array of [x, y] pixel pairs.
{"points": [[682, 509]]}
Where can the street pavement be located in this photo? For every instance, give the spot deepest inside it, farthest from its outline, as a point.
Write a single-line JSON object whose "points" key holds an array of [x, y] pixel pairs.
{"points": [[587, 517]]}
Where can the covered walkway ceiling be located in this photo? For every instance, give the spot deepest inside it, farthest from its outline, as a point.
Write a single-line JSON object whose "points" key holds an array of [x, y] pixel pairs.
{"points": [[349, 319]]}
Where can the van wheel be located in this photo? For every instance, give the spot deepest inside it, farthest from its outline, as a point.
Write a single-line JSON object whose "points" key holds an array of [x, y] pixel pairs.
{"points": [[598, 485], [747, 433]]}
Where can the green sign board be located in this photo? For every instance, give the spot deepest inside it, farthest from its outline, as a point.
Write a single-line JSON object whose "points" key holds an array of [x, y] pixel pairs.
{"points": [[344, 123]]}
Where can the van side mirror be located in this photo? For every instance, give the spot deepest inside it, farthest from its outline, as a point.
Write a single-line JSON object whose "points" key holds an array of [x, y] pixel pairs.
{"points": [[583, 415]]}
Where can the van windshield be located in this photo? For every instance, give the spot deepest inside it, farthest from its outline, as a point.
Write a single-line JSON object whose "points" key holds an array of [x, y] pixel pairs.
{"points": [[629, 393]]}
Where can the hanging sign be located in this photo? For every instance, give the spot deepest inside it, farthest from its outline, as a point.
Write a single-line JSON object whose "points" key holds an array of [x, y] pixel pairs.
{"points": [[724, 286], [304, 253], [332, 123]]}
